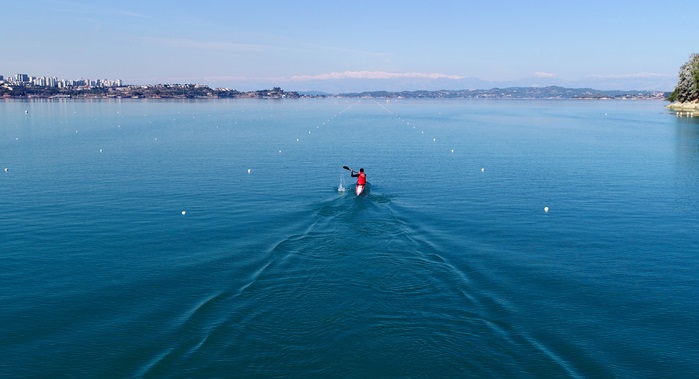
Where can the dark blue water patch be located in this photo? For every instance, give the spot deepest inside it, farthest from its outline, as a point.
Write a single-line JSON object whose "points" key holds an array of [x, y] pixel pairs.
{"points": [[143, 246], [325, 290]]}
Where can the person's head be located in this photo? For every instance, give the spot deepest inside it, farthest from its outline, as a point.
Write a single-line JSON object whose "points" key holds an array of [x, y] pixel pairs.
{"points": [[361, 170]]}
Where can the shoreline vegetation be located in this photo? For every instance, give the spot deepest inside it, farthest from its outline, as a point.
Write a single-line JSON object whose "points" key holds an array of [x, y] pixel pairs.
{"points": [[685, 97], [196, 91], [157, 91]]}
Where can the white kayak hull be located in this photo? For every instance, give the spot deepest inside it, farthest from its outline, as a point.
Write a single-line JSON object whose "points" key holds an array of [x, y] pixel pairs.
{"points": [[359, 189]]}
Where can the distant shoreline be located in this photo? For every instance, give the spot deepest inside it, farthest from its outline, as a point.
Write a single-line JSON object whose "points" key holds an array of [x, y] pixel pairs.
{"points": [[190, 91], [526, 93], [112, 98]]}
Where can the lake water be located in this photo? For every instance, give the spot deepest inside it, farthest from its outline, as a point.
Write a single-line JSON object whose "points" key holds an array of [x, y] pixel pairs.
{"points": [[212, 239]]}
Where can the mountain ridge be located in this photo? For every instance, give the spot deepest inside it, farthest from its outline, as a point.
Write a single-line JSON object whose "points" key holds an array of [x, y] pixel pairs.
{"points": [[548, 92]]}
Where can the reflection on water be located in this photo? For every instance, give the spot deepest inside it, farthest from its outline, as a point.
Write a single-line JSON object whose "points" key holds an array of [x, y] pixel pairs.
{"points": [[687, 152]]}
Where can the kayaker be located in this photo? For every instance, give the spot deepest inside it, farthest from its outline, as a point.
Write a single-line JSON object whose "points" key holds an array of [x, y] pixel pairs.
{"points": [[361, 177]]}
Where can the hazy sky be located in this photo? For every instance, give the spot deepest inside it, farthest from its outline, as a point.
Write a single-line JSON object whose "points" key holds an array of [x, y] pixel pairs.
{"points": [[299, 44]]}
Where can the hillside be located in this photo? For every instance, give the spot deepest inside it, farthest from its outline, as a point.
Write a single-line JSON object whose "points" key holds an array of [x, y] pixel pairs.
{"points": [[552, 92], [686, 93]]}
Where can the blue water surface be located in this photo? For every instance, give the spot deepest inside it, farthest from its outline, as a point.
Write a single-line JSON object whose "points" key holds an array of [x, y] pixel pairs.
{"points": [[147, 238]]}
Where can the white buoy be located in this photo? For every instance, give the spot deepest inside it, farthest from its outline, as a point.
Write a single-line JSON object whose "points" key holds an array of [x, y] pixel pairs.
{"points": [[249, 170], [482, 169], [100, 150], [452, 150], [184, 213], [546, 209], [7, 169]]}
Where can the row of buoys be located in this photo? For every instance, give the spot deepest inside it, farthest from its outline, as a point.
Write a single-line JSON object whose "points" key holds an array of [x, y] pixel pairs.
{"points": [[323, 123], [407, 123], [685, 114]]}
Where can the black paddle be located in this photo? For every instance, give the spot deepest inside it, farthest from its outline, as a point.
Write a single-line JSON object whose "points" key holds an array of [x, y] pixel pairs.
{"points": [[347, 168]]}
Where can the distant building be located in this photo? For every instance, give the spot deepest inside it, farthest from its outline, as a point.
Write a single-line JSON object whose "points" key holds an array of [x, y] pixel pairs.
{"points": [[45, 82], [21, 78], [54, 82]]}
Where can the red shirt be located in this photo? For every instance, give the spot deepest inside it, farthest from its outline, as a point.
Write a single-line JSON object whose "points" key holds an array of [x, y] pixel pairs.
{"points": [[361, 179]]}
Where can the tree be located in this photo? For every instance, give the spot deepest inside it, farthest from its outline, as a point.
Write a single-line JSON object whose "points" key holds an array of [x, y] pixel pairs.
{"points": [[687, 88]]}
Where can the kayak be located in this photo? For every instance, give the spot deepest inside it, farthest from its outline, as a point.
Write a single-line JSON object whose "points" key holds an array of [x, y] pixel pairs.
{"points": [[359, 188]]}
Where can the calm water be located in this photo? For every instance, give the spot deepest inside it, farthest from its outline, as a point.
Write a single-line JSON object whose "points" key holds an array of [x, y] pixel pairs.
{"points": [[136, 243]]}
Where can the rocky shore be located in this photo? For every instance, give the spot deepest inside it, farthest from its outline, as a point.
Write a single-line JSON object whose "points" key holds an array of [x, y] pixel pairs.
{"points": [[687, 106]]}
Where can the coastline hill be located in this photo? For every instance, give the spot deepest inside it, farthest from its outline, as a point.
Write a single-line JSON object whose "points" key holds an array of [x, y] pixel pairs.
{"points": [[551, 92], [198, 91], [686, 93], [156, 91]]}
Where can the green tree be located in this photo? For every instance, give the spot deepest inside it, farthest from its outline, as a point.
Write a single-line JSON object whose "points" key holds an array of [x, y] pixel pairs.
{"points": [[687, 88]]}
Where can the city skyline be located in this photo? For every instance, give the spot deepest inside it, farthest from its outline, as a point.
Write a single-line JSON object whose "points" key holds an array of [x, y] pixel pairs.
{"points": [[362, 45], [53, 81]]}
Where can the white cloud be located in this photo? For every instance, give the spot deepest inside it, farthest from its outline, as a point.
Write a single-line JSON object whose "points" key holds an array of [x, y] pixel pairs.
{"points": [[338, 76], [646, 75], [372, 75], [540, 74], [241, 78]]}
